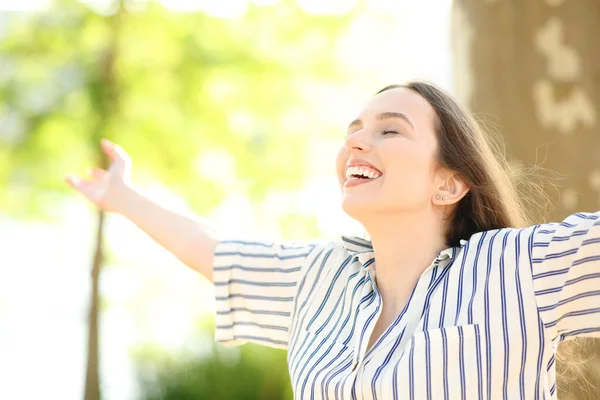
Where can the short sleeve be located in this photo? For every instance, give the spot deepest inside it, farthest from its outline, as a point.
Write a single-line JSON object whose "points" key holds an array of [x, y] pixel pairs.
{"points": [[255, 287], [566, 276]]}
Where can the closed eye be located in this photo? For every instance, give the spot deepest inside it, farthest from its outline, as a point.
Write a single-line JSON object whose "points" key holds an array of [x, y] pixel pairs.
{"points": [[385, 132]]}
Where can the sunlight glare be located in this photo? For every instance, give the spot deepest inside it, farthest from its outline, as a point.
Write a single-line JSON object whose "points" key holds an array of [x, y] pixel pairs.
{"points": [[228, 9], [24, 5], [265, 2], [335, 7], [103, 7]]}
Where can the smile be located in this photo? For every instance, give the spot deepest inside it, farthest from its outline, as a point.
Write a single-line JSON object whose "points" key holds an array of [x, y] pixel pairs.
{"points": [[362, 172], [357, 181]]}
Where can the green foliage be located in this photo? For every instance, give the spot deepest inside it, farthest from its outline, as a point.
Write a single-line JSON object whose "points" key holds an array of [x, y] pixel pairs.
{"points": [[246, 372], [169, 87]]}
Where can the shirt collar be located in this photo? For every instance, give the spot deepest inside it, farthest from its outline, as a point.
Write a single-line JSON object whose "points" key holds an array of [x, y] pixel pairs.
{"points": [[362, 249]]}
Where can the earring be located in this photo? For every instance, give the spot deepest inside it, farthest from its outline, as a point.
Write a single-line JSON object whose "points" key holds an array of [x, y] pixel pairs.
{"points": [[443, 198], [437, 197]]}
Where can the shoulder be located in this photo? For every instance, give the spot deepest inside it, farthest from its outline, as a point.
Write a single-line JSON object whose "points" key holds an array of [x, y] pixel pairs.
{"points": [[571, 227], [514, 244], [330, 257], [536, 236], [493, 236], [330, 252]]}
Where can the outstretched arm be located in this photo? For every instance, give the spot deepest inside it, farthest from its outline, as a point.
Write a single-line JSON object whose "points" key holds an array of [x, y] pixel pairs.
{"points": [[256, 284], [566, 276], [190, 238], [256, 281]]}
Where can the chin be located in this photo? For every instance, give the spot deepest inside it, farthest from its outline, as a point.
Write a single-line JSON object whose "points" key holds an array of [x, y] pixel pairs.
{"points": [[355, 206]]}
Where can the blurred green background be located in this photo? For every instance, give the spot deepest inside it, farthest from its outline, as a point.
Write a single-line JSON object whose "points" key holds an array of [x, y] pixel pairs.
{"points": [[233, 109]]}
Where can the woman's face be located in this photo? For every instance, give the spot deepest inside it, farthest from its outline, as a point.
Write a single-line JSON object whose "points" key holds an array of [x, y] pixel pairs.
{"points": [[394, 133]]}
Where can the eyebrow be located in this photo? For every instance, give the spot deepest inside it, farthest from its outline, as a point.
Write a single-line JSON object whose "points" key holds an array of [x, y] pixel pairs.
{"points": [[385, 115]]}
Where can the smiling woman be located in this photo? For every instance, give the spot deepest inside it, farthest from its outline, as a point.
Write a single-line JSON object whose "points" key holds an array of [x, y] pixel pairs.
{"points": [[454, 296]]}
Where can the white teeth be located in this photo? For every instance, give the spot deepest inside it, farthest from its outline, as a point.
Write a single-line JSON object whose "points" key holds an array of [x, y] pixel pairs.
{"points": [[362, 170]]}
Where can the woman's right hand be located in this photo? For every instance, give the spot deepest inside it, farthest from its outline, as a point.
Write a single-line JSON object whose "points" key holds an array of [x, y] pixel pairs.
{"points": [[106, 189]]}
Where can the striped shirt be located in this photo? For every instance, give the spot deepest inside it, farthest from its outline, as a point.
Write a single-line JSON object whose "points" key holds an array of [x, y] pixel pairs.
{"points": [[482, 322]]}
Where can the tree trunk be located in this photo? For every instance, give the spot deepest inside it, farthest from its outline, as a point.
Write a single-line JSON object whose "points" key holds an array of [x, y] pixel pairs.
{"points": [[532, 68], [92, 386], [107, 104]]}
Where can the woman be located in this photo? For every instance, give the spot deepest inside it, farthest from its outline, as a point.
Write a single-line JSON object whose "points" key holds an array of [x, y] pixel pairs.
{"points": [[454, 297]]}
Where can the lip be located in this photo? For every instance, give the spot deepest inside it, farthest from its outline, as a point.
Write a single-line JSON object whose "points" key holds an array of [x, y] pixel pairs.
{"points": [[357, 162], [356, 182]]}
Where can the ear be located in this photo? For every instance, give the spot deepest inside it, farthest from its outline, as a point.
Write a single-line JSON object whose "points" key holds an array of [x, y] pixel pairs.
{"points": [[450, 189]]}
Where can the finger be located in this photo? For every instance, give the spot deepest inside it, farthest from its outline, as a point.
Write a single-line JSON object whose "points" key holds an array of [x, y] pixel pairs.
{"points": [[87, 188], [120, 158], [72, 181], [109, 149], [113, 150], [77, 183], [121, 154], [97, 173]]}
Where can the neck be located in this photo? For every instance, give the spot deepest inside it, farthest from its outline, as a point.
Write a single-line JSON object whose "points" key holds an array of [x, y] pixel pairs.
{"points": [[404, 246]]}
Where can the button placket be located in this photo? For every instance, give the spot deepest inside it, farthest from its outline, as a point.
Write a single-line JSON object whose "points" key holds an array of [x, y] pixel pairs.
{"points": [[366, 315], [409, 320]]}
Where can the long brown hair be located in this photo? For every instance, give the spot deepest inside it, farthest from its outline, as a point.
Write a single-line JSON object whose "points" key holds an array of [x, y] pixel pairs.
{"points": [[463, 147]]}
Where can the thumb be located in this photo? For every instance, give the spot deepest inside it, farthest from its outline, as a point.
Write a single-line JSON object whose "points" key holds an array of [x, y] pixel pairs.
{"points": [[72, 181], [120, 159], [114, 151]]}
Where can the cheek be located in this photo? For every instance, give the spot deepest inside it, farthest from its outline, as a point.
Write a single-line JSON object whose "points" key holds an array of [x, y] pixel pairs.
{"points": [[408, 174]]}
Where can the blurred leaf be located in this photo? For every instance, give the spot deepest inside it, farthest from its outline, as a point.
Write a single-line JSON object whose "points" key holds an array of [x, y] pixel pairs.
{"points": [[183, 80], [246, 372]]}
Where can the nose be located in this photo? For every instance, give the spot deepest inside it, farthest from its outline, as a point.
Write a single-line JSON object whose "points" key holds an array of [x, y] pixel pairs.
{"points": [[357, 141]]}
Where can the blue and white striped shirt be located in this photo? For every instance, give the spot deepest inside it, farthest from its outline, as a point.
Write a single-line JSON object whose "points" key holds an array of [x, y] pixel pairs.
{"points": [[482, 322]]}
